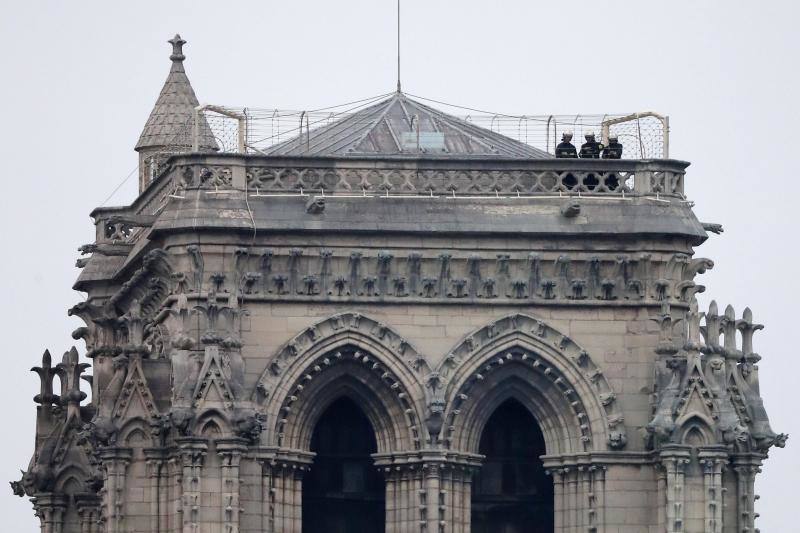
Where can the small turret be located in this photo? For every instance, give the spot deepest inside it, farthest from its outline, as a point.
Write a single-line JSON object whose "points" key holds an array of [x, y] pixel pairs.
{"points": [[170, 126]]}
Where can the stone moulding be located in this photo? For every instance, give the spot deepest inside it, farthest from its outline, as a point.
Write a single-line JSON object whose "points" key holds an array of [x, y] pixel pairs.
{"points": [[410, 276], [552, 362], [387, 367], [585, 400], [419, 176]]}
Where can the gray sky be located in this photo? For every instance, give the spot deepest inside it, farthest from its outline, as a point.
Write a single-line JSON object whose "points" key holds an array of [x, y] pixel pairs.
{"points": [[79, 79]]}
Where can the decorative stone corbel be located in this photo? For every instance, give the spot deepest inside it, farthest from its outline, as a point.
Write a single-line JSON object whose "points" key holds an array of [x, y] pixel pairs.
{"points": [[435, 403]]}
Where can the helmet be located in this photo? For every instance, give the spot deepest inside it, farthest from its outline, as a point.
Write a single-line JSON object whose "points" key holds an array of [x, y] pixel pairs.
{"points": [[589, 133], [612, 137], [567, 134]]}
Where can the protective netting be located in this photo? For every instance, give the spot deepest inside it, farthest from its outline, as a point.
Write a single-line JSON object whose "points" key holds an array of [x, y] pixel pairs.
{"points": [[643, 135], [225, 130]]}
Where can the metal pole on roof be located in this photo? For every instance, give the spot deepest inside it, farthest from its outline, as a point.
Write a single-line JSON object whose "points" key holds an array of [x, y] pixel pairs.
{"points": [[398, 46]]}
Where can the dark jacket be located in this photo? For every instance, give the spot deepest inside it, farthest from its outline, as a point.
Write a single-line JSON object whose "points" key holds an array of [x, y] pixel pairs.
{"points": [[613, 151], [591, 150], [566, 149]]}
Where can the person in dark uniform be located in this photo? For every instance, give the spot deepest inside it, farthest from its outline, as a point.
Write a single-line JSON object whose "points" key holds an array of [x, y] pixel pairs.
{"points": [[565, 148], [614, 148], [591, 148]]}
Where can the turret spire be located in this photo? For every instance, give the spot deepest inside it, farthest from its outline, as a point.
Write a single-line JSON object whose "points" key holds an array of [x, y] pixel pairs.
{"points": [[170, 127]]}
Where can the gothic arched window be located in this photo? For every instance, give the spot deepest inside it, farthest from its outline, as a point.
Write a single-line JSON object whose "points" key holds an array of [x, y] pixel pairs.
{"points": [[511, 493], [343, 492]]}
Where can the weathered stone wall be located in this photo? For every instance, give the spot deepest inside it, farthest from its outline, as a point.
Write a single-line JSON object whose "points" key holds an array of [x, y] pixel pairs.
{"points": [[216, 348]]}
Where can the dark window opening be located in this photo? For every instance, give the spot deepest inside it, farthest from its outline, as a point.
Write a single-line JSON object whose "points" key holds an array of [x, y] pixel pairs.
{"points": [[511, 493], [343, 492]]}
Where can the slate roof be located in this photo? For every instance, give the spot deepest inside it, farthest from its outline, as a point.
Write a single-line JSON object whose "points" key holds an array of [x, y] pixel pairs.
{"points": [[390, 127], [171, 121]]}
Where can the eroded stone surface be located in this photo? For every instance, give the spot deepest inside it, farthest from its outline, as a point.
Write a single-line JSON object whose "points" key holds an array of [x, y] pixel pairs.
{"points": [[220, 325]]}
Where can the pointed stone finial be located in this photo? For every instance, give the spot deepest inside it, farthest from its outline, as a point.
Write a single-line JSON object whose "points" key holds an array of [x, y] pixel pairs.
{"points": [[46, 374], [666, 344], [729, 330], [713, 328], [694, 340], [747, 327], [71, 369], [177, 48]]}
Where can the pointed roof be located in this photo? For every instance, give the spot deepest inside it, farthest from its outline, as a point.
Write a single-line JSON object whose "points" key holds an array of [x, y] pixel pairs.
{"points": [[400, 126], [171, 121]]}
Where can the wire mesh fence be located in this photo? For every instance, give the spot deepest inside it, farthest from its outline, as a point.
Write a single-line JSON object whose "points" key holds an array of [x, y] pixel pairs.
{"points": [[225, 130], [643, 135]]}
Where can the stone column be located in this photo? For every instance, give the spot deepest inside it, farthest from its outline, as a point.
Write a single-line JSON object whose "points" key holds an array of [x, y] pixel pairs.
{"points": [[661, 481], [230, 452], [411, 499], [468, 474], [713, 460], [599, 495], [432, 488], [571, 488], [155, 494], [746, 467], [286, 488], [390, 475], [88, 506], [174, 493], [192, 451], [267, 495], [675, 458], [282, 489], [586, 502], [404, 500], [429, 494], [558, 499], [454, 479], [50, 509], [115, 463]]}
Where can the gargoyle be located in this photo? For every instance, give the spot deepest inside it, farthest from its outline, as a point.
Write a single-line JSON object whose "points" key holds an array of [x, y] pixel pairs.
{"points": [[617, 440], [17, 488], [97, 433], [315, 205], [249, 424], [182, 418], [570, 209], [40, 475]]}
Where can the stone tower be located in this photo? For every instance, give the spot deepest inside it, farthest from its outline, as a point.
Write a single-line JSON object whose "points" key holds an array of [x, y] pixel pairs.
{"points": [[413, 325]]}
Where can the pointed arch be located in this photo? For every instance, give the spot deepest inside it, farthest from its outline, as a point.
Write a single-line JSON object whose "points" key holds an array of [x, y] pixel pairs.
{"points": [[70, 480], [696, 429], [135, 432], [213, 423], [345, 355], [522, 357], [367, 333]]}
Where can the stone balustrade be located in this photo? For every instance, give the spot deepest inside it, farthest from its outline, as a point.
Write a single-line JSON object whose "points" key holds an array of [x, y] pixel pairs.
{"points": [[425, 177]]}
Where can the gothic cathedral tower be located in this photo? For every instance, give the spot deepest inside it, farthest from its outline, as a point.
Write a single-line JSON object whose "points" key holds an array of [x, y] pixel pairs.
{"points": [[397, 322]]}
